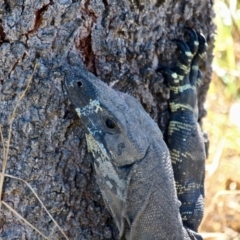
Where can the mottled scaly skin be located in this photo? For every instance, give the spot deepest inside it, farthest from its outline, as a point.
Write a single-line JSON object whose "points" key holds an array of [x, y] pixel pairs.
{"points": [[131, 160], [185, 140]]}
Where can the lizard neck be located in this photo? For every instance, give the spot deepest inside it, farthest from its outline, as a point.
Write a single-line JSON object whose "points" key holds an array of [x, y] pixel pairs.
{"points": [[151, 192]]}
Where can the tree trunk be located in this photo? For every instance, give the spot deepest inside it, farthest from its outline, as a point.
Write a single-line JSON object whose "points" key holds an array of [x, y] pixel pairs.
{"points": [[123, 43]]}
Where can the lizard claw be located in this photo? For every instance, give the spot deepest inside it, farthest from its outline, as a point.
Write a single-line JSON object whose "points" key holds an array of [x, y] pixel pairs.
{"points": [[190, 53], [193, 39], [195, 72], [185, 76], [185, 55]]}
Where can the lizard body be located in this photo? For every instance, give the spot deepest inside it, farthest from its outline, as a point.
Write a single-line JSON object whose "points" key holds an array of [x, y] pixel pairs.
{"points": [[132, 162]]}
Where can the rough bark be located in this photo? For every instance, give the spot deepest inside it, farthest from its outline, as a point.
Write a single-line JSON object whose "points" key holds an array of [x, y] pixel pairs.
{"points": [[122, 42]]}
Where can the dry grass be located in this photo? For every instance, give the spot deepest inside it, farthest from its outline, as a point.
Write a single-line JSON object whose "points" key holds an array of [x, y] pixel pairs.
{"points": [[5, 147], [222, 211]]}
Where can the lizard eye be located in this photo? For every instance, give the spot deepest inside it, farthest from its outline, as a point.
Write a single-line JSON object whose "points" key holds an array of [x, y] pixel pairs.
{"points": [[110, 124], [79, 84]]}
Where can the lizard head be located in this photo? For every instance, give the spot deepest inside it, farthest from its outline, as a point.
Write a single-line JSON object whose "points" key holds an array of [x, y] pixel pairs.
{"points": [[118, 130], [113, 119]]}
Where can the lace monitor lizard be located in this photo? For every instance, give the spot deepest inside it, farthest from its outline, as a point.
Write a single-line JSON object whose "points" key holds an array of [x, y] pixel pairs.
{"points": [[153, 190]]}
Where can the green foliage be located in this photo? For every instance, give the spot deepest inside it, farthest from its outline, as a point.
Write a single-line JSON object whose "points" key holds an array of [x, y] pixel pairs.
{"points": [[227, 46]]}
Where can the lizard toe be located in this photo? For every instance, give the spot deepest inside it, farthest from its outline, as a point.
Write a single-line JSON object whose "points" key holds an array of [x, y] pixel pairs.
{"points": [[195, 74], [193, 42]]}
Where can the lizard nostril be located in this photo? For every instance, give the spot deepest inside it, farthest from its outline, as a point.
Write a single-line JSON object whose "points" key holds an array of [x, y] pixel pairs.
{"points": [[79, 84]]}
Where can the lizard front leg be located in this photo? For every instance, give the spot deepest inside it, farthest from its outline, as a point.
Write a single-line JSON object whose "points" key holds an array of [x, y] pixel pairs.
{"points": [[185, 139]]}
